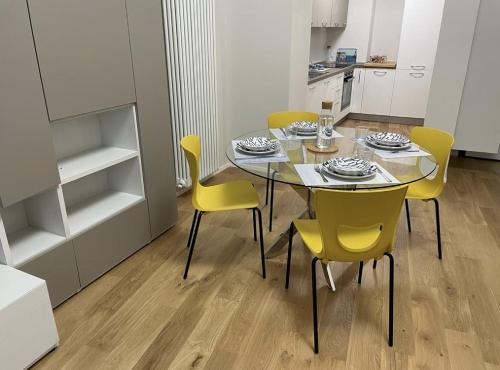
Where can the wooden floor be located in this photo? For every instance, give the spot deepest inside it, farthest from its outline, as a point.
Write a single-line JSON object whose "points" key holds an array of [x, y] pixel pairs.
{"points": [[143, 315]]}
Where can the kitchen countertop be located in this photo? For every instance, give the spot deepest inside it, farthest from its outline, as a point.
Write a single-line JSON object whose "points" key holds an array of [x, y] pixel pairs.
{"points": [[335, 71]]}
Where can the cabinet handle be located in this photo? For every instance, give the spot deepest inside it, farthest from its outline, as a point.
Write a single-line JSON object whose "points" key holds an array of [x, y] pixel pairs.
{"points": [[418, 68], [312, 87], [379, 73], [417, 74]]}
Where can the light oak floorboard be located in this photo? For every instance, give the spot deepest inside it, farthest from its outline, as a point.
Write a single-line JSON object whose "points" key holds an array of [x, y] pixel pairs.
{"points": [[143, 315]]}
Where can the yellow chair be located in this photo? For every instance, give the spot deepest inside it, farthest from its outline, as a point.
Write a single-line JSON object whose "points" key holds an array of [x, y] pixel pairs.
{"points": [[439, 144], [222, 197], [281, 120], [350, 227]]}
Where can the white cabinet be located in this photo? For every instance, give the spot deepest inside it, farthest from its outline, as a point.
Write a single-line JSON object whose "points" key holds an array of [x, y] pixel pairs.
{"points": [[411, 92], [322, 13], [357, 90], [329, 13], [339, 13], [420, 34], [377, 91], [315, 93]]}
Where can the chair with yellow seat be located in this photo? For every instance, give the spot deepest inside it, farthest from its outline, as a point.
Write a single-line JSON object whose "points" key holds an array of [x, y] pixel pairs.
{"points": [[281, 120], [439, 144], [222, 197], [350, 227]]}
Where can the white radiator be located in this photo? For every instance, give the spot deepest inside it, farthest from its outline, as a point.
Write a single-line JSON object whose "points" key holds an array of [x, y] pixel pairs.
{"points": [[190, 47]]}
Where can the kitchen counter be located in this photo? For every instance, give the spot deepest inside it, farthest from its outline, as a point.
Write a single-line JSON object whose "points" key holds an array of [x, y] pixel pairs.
{"points": [[335, 71]]}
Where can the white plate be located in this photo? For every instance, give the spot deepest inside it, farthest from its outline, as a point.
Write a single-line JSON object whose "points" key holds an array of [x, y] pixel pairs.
{"points": [[389, 139], [349, 177], [256, 144], [349, 166], [260, 152], [389, 147]]}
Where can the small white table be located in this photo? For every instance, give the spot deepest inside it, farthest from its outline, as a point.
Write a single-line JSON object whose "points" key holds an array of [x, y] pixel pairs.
{"points": [[27, 327]]}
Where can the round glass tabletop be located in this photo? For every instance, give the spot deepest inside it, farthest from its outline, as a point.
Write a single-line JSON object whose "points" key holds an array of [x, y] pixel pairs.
{"points": [[405, 170]]}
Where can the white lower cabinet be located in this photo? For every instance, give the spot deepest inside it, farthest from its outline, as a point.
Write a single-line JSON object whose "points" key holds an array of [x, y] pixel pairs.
{"points": [[357, 90], [325, 90], [411, 92], [377, 91], [315, 93]]}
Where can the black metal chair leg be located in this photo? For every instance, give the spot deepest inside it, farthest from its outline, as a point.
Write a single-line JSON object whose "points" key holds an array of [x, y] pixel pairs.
{"points": [[408, 221], [192, 228], [261, 235], [438, 229], [289, 258], [267, 182], [271, 205], [391, 297], [360, 271], [315, 304], [374, 264], [193, 242], [254, 226]]}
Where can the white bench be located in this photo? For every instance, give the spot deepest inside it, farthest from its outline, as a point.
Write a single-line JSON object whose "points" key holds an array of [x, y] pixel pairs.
{"points": [[27, 327]]}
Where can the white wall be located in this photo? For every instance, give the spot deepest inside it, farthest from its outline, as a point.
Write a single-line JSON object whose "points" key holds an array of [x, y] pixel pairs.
{"points": [[299, 53], [465, 90], [478, 124], [386, 30], [357, 33], [450, 66], [318, 46], [255, 61]]}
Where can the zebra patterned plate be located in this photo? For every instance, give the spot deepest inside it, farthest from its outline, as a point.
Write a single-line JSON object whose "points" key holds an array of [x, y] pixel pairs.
{"points": [[305, 126], [257, 144], [388, 139], [349, 166]]}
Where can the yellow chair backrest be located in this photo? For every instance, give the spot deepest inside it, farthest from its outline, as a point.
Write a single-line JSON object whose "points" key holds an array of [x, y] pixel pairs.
{"points": [[439, 144], [358, 225], [192, 148], [282, 119]]}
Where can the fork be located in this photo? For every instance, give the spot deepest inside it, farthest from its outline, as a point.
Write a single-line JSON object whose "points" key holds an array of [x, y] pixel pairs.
{"points": [[317, 168], [383, 175], [405, 151]]}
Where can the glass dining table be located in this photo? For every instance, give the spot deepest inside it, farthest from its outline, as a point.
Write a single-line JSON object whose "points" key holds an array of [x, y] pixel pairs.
{"points": [[403, 169]]}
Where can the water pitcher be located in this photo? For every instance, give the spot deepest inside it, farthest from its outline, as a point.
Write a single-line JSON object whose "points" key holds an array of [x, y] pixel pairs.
{"points": [[325, 126]]}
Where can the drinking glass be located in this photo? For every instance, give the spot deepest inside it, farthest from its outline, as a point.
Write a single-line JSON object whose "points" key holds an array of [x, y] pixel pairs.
{"points": [[361, 132], [291, 131], [363, 152]]}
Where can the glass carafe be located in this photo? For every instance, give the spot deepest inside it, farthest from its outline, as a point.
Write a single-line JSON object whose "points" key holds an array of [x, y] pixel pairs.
{"points": [[324, 138]]}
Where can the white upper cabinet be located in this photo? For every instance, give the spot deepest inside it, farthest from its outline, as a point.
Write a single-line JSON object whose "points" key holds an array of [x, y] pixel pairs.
{"points": [[377, 91], [322, 13], [411, 92], [420, 34], [339, 13], [329, 13], [357, 90]]}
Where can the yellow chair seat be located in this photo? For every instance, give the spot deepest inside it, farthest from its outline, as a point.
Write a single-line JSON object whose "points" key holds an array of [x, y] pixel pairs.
{"points": [[310, 232], [227, 196], [423, 189], [358, 239]]}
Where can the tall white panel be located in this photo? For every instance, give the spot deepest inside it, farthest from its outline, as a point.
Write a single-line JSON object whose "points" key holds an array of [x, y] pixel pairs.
{"points": [[190, 45]]}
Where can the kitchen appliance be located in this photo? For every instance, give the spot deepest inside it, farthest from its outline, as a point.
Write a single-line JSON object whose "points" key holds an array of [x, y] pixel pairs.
{"points": [[347, 90], [346, 57]]}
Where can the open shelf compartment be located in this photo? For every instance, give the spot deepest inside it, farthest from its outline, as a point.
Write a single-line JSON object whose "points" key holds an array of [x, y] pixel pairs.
{"points": [[91, 143], [31, 228], [96, 198]]}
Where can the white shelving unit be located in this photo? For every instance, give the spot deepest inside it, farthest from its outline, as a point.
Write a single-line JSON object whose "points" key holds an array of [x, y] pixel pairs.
{"points": [[95, 198], [101, 175], [88, 144], [32, 227]]}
